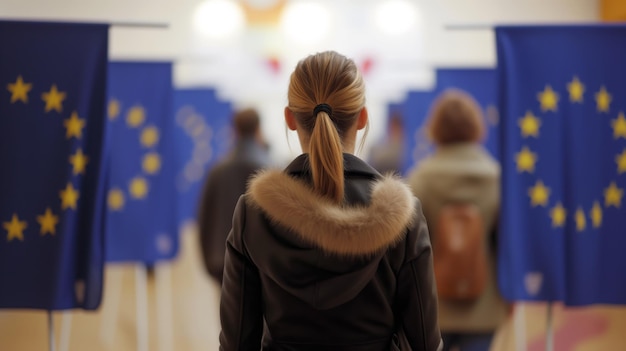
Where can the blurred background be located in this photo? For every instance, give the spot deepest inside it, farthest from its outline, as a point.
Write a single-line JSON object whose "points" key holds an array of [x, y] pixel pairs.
{"points": [[241, 53]]}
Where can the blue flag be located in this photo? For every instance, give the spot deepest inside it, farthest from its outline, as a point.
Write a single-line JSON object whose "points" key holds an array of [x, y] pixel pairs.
{"points": [[415, 112], [203, 136], [395, 108], [141, 193], [563, 103], [52, 139], [480, 83]]}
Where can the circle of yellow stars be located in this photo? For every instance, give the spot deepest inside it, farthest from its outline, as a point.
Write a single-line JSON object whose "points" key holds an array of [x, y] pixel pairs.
{"points": [[53, 99], [526, 160], [138, 187]]}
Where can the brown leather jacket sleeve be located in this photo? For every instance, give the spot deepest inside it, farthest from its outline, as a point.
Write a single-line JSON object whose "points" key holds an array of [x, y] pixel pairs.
{"points": [[240, 308], [417, 291]]}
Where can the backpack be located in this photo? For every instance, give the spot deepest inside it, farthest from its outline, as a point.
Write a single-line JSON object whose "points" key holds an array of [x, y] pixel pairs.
{"points": [[459, 253]]}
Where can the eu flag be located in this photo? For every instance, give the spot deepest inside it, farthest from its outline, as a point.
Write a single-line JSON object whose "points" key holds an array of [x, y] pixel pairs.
{"points": [[141, 194], [52, 140], [480, 83], [415, 112], [562, 102], [203, 136]]}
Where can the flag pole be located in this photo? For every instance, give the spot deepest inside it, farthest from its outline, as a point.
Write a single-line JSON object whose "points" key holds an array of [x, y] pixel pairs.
{"points": [[549, 327], [519, 321], [163, 278], [66, 328], [143, 25], [51, 331], [141, 295], [123, 24], [469, 26]]}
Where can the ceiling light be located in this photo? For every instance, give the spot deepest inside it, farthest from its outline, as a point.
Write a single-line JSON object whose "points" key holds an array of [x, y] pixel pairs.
{"points": [[395, 17], [218, 19], [306, 22]]}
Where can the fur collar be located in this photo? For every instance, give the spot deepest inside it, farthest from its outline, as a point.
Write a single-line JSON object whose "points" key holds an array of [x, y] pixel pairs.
{"points": [[343, 230]]}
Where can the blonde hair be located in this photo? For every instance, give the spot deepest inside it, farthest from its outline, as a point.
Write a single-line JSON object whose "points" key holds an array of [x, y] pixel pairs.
{"points": [[332, 79], [455, 118]]}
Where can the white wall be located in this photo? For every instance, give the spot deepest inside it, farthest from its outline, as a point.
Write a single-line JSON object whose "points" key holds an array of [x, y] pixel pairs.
{"points": [[237, 69]]}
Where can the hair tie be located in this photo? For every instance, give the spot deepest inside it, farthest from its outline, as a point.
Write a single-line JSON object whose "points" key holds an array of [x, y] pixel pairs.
{"points": [[322, 107]]}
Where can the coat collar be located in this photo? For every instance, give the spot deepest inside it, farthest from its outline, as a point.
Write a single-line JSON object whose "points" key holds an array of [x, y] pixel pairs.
{"points": [[351, 164], [347, 230]]}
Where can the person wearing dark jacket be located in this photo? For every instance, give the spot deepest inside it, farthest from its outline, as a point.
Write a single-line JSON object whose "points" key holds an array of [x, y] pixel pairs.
{"points": [[224, 184], [328, 254]]}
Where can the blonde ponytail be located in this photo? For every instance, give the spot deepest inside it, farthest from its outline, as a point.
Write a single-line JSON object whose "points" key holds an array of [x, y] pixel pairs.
{"points": [[326, 158], [326, 94]]}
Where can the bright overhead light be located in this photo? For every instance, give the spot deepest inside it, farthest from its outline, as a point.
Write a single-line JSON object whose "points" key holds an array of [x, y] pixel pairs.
{"points": [[306, 22], [395, 17], [218, 19]]}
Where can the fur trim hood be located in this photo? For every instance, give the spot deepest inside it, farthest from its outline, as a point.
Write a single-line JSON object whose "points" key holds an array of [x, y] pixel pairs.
{"points": [[321, 252], [337, 229]]}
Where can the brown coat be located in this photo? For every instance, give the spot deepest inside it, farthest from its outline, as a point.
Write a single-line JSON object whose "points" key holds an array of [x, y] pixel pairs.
{"points": [[322, 276], [467, 173]]}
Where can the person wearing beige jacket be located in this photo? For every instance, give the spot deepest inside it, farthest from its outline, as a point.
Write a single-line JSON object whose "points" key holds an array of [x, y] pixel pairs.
{"points": [[461, 170]]}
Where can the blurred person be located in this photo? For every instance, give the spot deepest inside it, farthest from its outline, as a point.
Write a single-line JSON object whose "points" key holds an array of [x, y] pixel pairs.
{"points": [[224, 184], [460, 182], [328, 254], [387, 156]]}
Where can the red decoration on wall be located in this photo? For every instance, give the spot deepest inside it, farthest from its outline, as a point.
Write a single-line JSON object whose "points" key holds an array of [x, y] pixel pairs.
{"points": [[274, 65], [366, 65]]}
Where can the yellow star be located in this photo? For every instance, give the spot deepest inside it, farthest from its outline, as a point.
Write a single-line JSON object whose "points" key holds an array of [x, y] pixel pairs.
{"points": [[603, 100], [151, 163], [149, 136], [115, 199], [539, 194], [596, 214], [15, 228], [79, 162], [19, 90], [113, 110], [138, 188], [135, 116], [529, 124], [621, 162], [576, 90], [48, 222], [74, 126], [526, 160], [613, 195], [548, 99], [558, 214], [54, 99], [581, 221], [619, 126], [69, 197]]}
